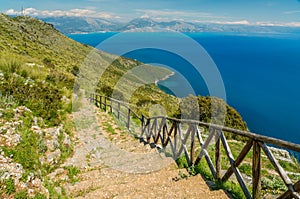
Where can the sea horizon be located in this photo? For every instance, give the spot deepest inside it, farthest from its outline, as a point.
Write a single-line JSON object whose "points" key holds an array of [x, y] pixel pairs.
{"points": [[259, 73]]}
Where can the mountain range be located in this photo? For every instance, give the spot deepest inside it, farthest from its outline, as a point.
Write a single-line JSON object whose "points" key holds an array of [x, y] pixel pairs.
{"points": [[68, 25]]}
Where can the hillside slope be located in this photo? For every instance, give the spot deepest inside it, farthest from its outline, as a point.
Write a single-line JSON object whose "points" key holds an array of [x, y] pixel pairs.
{"points": [[41, 52], [38, 41], [40, 68]]}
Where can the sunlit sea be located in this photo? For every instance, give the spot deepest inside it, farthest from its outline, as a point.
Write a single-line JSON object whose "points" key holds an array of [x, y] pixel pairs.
{"points": [[261, 74]]}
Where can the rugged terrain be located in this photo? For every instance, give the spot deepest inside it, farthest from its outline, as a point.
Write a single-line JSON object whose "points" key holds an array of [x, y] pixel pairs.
{"points": [[117, 165], [146, 24], [41, 140]]}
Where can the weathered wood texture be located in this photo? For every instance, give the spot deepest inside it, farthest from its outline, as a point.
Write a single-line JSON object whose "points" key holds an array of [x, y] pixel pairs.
{"points": [[256, 171], [185, 137]]}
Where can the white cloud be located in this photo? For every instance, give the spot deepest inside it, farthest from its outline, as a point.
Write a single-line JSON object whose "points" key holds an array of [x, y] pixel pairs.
{"points": [[205, 17], [246, 22], [60, 13], [287, 24], [171, 14], [11, 12], [242, 22], [292, 12]]}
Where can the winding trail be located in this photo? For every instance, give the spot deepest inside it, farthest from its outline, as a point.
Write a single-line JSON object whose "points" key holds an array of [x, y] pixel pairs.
{"points": [[114, 164]]}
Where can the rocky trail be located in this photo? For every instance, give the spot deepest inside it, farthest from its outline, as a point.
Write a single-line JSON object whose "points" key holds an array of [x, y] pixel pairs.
{"points": [[114, 164]]}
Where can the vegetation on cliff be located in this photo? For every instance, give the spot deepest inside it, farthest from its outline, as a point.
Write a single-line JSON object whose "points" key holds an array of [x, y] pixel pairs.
{"points": [[39, 68]]}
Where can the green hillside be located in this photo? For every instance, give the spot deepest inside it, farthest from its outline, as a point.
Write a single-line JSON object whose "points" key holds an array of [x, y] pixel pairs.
{"points": [[40, 52], [39, 70]]}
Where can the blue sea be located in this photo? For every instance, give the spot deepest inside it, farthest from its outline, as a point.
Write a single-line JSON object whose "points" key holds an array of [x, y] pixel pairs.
{"points": [[260, 74]]}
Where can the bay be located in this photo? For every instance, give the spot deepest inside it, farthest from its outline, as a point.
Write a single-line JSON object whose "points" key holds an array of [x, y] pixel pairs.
{"points": [[260, 73]]}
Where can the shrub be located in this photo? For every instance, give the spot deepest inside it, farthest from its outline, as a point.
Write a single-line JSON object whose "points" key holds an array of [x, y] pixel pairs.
{"points": [[275, 185], [182, 162], [48, 62], [75, 70], [246, 169], [25, 153], [203, 169], [72, 173], [21, 195], [39, 196], [10, 186], [43, 99], [11, 66]]}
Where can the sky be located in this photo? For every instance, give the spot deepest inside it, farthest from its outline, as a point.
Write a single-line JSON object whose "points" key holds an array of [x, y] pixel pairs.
{"points": [[280, 12]]}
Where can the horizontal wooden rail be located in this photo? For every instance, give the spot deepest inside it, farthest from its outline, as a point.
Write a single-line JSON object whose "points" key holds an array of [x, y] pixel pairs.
{"points": [[169, 132]]}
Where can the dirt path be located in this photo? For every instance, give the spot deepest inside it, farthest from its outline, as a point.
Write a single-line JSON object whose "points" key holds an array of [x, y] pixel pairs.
{"points": [[114, 164]]}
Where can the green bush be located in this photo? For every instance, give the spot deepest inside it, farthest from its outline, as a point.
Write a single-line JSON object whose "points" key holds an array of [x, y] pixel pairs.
{"points": [[274, 185], [21, 195], [72, 173], [26, 152], [10, 186], [202, 168], [10, 66], [233, 189], [42, 98], [75, 70], [246, 169], [39, 196], [182, 162], [48, 62]]}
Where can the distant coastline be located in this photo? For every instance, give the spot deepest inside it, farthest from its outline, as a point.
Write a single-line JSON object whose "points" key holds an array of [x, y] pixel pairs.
{"points": [[164, 78], [260, 115]]}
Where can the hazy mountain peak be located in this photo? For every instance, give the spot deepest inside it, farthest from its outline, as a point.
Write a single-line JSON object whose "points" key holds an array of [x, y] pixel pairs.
{"points": [[73, 24]]}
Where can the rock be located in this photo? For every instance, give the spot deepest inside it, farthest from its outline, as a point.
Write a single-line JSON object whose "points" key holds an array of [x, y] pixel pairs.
{"points": [[9, 136], [5, 175], [23, 185], [35, 128], [16, 139], [30, 192], [35, 120], [50, 131], [19, 111], [52, 144], [65, 99], [56, 132], [36, 182], [57, 172], [53, 157], [281, 154], [30, 177], [58, 190], [10, 169], [67, 140]]}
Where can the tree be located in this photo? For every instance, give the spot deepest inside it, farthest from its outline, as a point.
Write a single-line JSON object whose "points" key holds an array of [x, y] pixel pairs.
{"points": [[189, 108]]}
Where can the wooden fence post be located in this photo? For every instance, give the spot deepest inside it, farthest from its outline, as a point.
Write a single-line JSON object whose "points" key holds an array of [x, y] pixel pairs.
{"points": [[111, 106], [96, 100], [165, 133], [256, 171], [218, 158], [100, 102], [192, 152], [142, 123], [128, 118], [119, 107], [105, 104], [148, 130]]}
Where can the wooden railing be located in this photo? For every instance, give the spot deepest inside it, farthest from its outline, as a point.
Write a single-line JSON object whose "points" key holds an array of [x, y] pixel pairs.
{"points": [[182, 136]]}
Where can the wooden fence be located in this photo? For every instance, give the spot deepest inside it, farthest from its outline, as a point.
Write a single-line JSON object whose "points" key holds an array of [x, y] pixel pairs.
{"points": [[182, 136]]}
